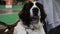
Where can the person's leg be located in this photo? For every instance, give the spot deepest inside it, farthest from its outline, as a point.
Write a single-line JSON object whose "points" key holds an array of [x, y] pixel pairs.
{"points": [[55, 30]]}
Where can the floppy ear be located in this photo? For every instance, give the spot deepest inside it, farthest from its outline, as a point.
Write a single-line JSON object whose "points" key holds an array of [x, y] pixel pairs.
{"points": [[24, 14], [43, 14], [21, 15], [26, 10], [24, 17]]}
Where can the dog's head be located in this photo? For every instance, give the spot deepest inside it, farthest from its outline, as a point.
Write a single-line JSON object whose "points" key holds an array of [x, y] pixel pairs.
{"points": [[32, 13]]}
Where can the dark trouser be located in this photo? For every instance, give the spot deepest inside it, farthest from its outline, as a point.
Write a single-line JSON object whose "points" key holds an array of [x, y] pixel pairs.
{"points": [[55, 30]]}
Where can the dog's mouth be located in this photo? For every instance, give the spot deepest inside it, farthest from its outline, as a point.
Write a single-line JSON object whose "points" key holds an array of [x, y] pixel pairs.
{"points": [[34, 20]]}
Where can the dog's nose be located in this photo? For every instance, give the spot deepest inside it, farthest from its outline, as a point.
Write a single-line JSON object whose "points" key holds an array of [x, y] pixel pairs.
{"points": [[35, 11]]}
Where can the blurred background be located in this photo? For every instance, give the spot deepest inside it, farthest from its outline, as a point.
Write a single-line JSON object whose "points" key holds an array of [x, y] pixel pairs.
{"points": [[9, 10]]}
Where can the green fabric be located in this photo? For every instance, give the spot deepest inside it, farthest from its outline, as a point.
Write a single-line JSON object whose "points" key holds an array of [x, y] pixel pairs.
{"points": [[9, 18]]}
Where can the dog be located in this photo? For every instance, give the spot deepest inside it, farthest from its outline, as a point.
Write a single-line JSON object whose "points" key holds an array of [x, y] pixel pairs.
{"points": [[32, 18]]}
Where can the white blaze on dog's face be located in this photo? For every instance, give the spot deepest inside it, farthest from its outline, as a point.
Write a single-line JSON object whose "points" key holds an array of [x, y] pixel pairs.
{"points": [[33, 9], [35, 14]]}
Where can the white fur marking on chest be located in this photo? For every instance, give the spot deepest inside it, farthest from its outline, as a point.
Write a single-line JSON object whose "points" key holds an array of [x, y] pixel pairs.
{"points": [[19, 29]]}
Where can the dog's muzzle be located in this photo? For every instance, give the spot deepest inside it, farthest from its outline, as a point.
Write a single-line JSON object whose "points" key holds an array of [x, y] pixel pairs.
{"points": [[35, 16]]}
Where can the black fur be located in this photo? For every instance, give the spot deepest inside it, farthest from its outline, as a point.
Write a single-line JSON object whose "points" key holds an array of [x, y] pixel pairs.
{"points": [[24, 15]]}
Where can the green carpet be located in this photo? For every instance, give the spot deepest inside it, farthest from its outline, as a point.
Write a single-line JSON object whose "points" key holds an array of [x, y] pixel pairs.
{"points": [[9, 18]]}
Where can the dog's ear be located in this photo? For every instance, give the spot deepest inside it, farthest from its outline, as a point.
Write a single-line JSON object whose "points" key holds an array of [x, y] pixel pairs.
{"points": [[24, 17], [21, 15], [43, 14], [24, 14], [25, 10]]}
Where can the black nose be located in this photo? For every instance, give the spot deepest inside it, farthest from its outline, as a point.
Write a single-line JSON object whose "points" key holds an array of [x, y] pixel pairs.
{"points": [[35, 11]]}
